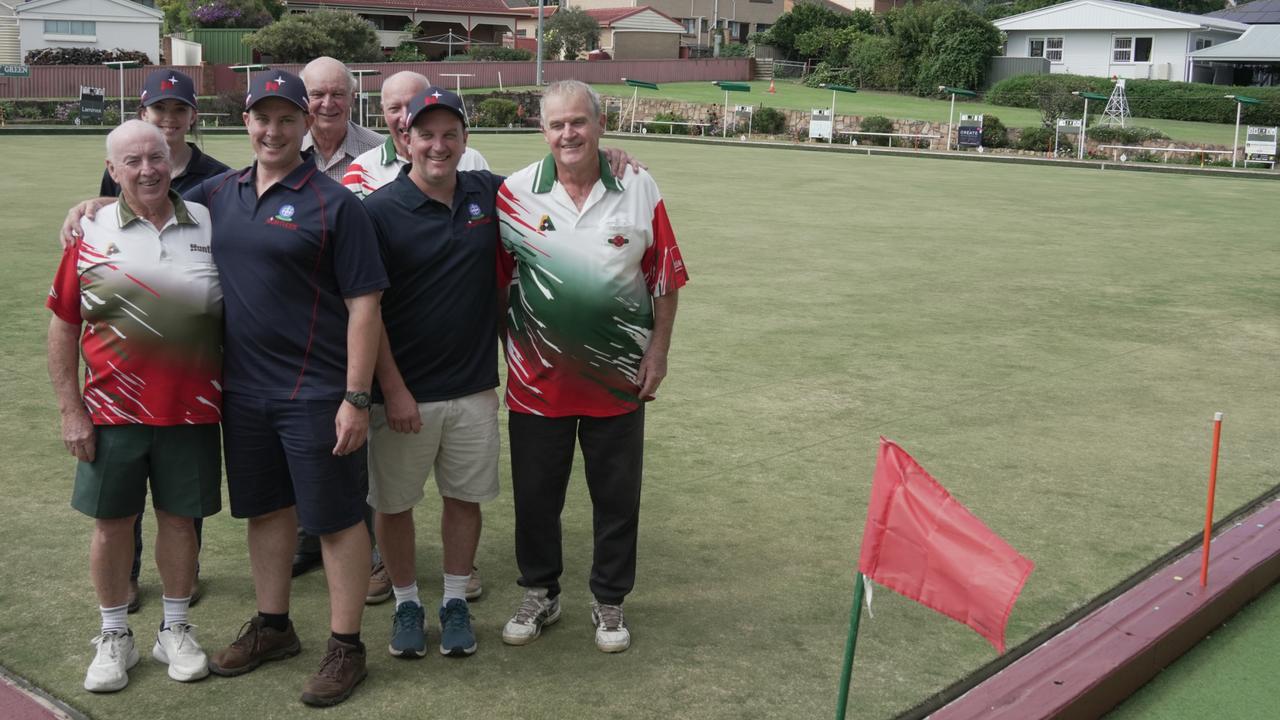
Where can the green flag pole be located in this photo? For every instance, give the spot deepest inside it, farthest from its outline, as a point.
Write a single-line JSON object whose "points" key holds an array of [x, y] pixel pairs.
{"points": [[849, 644]]}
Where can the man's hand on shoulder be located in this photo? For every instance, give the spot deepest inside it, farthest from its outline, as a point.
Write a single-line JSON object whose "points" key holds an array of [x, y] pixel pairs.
{"points": [[619, 161], [71, 231]]}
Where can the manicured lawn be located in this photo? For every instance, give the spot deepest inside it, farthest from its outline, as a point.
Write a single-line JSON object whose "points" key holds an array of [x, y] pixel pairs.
{"points": [[1051, 343]]}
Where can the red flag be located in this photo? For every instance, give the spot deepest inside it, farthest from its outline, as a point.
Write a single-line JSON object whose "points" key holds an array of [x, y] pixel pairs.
{"points": [[920, 542]]}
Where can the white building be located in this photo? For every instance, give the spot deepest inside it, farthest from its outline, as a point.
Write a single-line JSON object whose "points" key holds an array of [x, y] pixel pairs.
{"points": [[97, 24], [1104, 38]]}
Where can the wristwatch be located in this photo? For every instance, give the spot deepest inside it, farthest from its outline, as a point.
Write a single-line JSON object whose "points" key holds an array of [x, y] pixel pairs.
{"points": [[359, 398]]}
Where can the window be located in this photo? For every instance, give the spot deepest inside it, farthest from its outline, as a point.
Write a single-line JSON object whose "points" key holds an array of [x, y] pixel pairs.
{"points": [[70, 27], [1202, 43], [1048, 48], [1126, 49], [690, 25], [761, 27]]}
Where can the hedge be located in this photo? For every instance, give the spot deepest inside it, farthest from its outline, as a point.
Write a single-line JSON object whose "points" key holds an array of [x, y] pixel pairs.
{"points": [[1196, 102]]}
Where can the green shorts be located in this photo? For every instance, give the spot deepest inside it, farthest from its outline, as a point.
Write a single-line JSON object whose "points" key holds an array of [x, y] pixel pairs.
{"points": [[183, 463]]}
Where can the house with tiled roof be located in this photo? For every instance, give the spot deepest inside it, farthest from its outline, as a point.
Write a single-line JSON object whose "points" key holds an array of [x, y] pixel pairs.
{"points": [[626, 33], [444, 25]]}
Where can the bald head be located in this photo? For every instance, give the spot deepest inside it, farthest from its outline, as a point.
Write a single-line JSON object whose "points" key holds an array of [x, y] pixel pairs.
{"points": [[325, 69], [138, 160], [397, 91], [133, 137]]}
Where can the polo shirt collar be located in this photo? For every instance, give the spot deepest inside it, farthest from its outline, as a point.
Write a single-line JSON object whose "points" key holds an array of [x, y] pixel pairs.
{"points": [[294, 180], [389, 154], [414, 197], [125, 214], [545, 178]]}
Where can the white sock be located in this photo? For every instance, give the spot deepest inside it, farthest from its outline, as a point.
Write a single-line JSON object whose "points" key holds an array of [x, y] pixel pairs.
{"points": [[115, 619], [408, 593], [455, 588], [175, 610]]}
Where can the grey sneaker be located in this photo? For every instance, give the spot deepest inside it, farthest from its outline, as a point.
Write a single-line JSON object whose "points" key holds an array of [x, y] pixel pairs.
{"points": [[535, 611], [456, 637], [408, 635], [612, 635]]}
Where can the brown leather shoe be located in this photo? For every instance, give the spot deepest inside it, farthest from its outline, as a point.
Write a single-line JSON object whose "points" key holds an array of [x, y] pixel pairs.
{"points": [[379, 585], [341, 670], [257, 644]]}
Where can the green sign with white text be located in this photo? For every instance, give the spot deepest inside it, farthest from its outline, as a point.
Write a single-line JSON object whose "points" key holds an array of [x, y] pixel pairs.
{"points": [[15, 71]]}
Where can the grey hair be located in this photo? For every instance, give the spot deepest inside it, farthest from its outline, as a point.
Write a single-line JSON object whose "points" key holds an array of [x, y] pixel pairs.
{"points": [[565, 88], [351, 78], [416, 77], [129, 128]]}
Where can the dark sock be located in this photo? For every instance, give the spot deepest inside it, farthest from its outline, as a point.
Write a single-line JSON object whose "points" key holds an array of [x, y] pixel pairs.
{"points": [[350, 639], [275, 621]]}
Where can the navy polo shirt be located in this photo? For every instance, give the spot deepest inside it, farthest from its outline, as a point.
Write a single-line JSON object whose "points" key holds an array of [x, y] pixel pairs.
{"points": [[441, 311], [200, 167], [286, 261]]}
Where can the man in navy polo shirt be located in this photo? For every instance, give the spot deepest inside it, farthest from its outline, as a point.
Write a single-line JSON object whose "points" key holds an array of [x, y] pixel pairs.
{"points": [[301, 281], [435, 409]]}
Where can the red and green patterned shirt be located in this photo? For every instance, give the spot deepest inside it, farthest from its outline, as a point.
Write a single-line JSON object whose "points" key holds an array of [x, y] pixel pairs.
{"points": [[581, 288], [151, 307]]}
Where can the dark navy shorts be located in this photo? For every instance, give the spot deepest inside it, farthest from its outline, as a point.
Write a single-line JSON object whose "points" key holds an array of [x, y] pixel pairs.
{"points": [[279, 453]]}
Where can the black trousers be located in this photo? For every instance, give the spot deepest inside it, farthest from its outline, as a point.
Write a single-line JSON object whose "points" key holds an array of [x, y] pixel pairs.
{"points": [[542, 450]]}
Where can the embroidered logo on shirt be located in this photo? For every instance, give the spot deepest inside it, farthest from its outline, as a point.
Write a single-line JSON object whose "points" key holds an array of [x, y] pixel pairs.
{"points": [[476, 212], [617, 241], [545, 225], [284, 218], [201, 249], [112, 249]]}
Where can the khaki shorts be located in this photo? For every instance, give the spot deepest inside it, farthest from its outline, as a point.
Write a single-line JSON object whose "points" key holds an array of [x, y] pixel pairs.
{"points": [[458, 440]]}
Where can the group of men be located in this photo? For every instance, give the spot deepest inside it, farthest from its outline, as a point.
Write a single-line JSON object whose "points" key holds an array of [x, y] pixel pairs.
{"points": [[266, 301]]}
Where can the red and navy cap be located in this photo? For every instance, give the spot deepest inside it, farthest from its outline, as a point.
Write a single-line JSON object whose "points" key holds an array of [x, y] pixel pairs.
{"points": [[436, 97], [277, 83], [168, 85]]}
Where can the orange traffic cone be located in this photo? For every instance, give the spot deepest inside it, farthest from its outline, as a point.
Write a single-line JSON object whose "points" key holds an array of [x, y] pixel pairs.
{"points": [[771, 88]]}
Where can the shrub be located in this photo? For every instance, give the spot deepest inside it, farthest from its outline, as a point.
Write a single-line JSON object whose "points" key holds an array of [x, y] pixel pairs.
{"points": [[666, 117], [876, 124], [735, 50], [407, 52], [1124, 136], [769, 121], [1196, 102], [959, 47], [499, 53], [496, 112], [83, 56], [301, 38], [994, 133], [1040, 139]]}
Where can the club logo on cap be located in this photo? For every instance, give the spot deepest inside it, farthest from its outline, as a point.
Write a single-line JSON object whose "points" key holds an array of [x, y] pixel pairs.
{"points": [[169, 84], [274, 85]]}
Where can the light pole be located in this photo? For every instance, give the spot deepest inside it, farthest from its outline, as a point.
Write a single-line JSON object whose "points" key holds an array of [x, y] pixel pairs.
{"points": [[1241, 101], [952, 116], [1084, 121], [835, 89], [122, 64], [537, 80]]}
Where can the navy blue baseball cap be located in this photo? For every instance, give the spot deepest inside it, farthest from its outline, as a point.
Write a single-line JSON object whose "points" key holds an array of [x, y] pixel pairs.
{"points": [[277, 83], [436, 97], [168, 85]]}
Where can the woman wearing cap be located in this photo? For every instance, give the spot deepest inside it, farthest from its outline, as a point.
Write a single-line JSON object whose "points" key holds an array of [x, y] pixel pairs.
{"points": [[169, 103]]}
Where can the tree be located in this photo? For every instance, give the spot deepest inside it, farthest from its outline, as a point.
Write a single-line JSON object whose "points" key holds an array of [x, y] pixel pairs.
{"points": [[959, 47], [786, 34], [568, 32], [187, 14], [301, 38]]}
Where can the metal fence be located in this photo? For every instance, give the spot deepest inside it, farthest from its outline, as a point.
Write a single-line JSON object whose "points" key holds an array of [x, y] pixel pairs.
{"points": [[1001, 68]]}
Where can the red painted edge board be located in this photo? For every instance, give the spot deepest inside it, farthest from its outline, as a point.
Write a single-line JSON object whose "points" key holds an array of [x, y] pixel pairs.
{"points": [[1092, 666]]}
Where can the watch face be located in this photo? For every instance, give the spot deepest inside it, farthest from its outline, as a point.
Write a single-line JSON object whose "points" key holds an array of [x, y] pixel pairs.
{"points": [[359, 399]]}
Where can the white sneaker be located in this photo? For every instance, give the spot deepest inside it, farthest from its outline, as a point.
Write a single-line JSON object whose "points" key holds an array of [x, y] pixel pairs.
{"points": [[109, 670], [535, 611], [176, 647], [612, 635]]}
